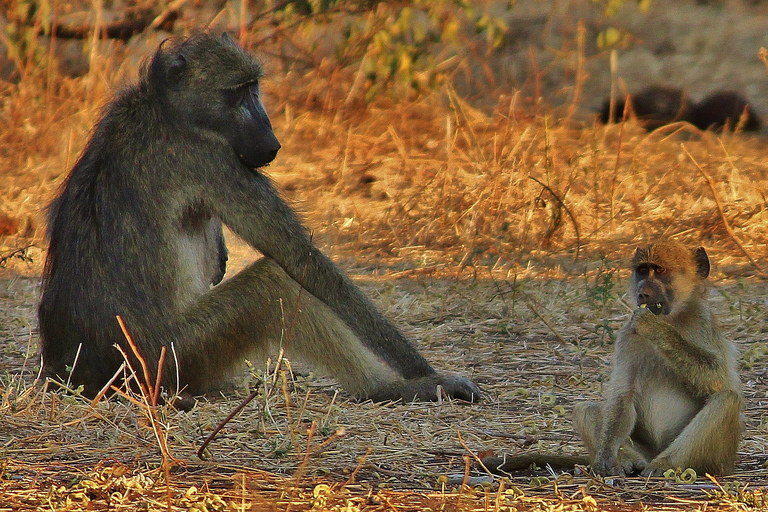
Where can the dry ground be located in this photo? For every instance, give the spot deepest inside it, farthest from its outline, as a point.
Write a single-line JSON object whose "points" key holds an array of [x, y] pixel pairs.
{"points": [[496, 238]]}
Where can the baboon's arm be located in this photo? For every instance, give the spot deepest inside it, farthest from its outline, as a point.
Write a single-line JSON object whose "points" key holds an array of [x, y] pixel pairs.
{"points": [[249, 204], [696, 365]]}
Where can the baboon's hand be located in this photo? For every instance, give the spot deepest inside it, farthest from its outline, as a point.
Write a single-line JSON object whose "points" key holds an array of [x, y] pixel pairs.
{"points": [[426, 389], [643, 320], [456, 386]]}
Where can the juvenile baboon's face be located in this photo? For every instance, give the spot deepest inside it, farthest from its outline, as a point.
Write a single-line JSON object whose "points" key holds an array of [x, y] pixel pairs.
{"points": [[666, 274], [653, 288]]}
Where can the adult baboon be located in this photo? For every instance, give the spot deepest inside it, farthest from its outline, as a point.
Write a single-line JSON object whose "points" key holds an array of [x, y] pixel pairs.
{"points": [[674, 399], [136, 232]]}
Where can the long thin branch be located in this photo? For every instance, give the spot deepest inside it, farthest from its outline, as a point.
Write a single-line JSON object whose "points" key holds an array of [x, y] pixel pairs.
{"points": [[568, 211], [728, 229], [222, 423]]}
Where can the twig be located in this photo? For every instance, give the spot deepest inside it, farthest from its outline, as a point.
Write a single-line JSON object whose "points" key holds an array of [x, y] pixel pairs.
{"points": [[473, 454], [728, 229], [340, 432], [568, 211], [307, 452], [235, 411], [148, 403], [107, 386], [160, 366], [288, 413], [531, 303], [146, 388], [360, 463]]}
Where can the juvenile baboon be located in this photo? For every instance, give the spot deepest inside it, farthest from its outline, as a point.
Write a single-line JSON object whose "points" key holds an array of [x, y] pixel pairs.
{"points": [[136, 232], [674, 399]]}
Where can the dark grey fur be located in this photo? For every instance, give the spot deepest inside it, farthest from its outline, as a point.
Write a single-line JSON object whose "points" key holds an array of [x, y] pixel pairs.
{"points": [[136, 232]]}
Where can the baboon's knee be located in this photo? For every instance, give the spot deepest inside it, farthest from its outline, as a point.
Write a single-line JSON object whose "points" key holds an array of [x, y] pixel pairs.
{"points": [[587, 421]]}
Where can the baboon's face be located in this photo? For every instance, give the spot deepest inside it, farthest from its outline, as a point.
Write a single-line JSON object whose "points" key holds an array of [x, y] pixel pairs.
{"points": [[214, 85], [653, 288], [666, 274], [251, 134]]}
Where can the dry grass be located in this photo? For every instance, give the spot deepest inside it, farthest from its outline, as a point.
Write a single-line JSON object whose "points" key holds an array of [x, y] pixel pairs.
{"points": [[494, 236]]}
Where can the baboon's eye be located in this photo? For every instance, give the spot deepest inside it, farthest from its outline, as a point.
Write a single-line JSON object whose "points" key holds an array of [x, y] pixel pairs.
{"points": [[642, 270], [248, 93], [234, 97], [660, 270]]}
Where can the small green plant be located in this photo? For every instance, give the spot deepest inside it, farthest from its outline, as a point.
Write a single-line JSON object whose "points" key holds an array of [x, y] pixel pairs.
{"points": [[280, 447], [600, 295], [398, 48], [613, 37], [604, 330], [753, 355]]}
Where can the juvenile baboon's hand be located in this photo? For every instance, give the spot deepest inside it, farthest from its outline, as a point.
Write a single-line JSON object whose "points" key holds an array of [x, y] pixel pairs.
{"points": [[425, 389], [643, 321]]}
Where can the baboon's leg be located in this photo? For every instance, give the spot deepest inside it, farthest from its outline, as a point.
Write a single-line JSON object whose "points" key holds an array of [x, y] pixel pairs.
{"points": [[588, 422], [254, 312], [709, 443]]}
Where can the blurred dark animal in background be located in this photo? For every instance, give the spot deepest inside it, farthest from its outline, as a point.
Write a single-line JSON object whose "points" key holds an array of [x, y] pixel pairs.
{"points": [[658, 106]]}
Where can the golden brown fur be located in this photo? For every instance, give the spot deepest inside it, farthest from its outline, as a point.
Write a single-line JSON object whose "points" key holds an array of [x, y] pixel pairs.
{"points": [[674, 399]]}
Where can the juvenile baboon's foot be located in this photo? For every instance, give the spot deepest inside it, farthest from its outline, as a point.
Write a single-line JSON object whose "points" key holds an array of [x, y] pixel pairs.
{"points": [[607, 467], [658, 466], [625, 464], [426, 389]]}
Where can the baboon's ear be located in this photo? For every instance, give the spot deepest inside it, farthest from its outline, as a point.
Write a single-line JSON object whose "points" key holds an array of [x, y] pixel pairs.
{"points": [[226, 38], [640, 254], [176, 69], [702, 262]]}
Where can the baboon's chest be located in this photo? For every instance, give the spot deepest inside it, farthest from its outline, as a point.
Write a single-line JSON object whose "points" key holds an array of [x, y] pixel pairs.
{"points": [[197, 260], [663, 410]]}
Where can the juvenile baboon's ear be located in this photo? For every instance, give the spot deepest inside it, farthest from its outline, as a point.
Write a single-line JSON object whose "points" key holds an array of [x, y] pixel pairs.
{"points": [[702, 262], [641, 254]]}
